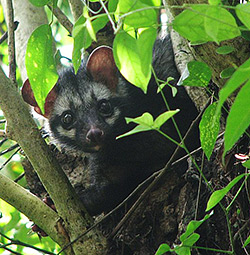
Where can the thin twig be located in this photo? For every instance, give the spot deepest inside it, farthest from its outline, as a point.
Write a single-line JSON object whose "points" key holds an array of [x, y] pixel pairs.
{"points": [[165, 170], [62, 18], [17, 242], [19, 177], [5, 34], [11, 41], [9, 149], [9, 159]]}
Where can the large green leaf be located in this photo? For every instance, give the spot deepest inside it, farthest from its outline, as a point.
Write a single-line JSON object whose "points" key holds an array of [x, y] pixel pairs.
{"points": [[209, 129], [40, 63], [196, 24], [238, 119], [133, 56]]}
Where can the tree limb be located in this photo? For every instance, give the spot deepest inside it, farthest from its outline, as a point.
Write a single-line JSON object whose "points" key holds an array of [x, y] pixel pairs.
{"points": [[25, 132], [31, 206]]}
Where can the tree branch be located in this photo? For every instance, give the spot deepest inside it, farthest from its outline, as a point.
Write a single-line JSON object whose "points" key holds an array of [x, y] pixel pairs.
{"points": [[76, 7], [31, 206], [11, 41], [25, 132]]}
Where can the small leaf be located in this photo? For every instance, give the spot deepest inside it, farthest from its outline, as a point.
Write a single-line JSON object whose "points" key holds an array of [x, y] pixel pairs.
{"points": [[40, 64], [238, 119], [247, 164], [191, 240], [246, 242], [199, 74], [217, 195], [228, 72], [192, 226], [160, 120], [40, 3], [223, 50], [209, 129], [146, 119], [146, 122], [185, 247], [243, 12], [163, 248]]}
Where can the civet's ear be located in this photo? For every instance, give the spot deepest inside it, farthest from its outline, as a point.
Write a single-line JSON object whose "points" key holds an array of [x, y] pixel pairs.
{"points": [[101, 66], [28, 97]]}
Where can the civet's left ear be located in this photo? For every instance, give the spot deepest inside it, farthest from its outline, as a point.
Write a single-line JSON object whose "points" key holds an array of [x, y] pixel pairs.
{"points": [[101, 66]]}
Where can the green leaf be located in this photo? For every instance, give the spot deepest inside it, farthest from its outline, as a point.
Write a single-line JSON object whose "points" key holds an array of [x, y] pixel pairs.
{"points": [[192, 226], [185, 247], [40, 3], [209, 129], [160, 120], [246, 242], [217, 195], [243, 13], [238, 119], [40, 63], [163, 248], [146, 122], [133, 56], [214, 2], [241, 75], [137, 19], [247, 164], [83, 33], [191, 24], [227, 73], [199, 74], [211, 24], [223, 50]]}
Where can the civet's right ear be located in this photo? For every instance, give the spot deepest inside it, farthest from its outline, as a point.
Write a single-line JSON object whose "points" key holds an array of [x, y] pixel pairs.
{"points": [[28, 97]]}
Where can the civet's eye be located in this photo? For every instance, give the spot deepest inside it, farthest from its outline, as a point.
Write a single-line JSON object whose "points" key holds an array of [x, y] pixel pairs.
{"points": [[105, 108], [67, 119]]}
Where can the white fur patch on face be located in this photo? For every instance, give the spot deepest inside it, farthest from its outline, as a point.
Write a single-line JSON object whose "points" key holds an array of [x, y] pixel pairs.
{"points": [[69, 133], [111, 120]]}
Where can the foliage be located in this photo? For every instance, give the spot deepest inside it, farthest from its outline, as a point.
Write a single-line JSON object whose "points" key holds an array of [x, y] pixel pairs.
{"points": [[135, 28]]}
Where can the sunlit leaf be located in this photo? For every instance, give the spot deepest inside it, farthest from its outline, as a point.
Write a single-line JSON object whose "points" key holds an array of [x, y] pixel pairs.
{"points": [[133, 56], [40, 63], [160, 120]]}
